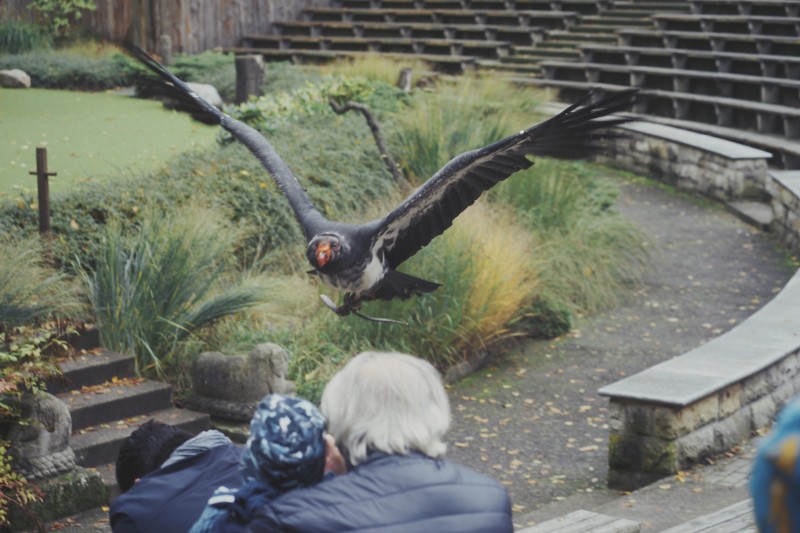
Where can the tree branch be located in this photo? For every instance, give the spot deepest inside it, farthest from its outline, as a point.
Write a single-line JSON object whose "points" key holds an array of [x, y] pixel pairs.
{"points": [[376, 134]]}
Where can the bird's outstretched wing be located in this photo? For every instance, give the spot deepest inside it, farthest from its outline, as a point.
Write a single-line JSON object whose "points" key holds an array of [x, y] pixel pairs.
{"points": [[572, 134], [304, 210]]}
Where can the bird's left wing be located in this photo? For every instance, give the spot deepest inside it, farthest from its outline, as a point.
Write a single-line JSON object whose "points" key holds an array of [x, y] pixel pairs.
{"points": [[305, 212], [429, 211]]}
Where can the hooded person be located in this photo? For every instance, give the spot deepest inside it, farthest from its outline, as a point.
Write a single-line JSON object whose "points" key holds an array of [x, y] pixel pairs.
{"points": [[285, 450], [775, 479]]}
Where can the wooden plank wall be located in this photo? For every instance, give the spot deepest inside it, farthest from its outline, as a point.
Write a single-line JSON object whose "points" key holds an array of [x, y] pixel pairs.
{"points": [[193, 25]]}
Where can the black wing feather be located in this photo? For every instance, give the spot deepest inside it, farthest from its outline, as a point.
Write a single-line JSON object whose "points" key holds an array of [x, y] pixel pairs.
{"points": [[305, 212], [429, 211]]}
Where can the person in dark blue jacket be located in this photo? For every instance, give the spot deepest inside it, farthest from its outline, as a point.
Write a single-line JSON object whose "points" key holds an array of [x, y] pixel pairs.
{"points": [[389, 413], [166, 476]]}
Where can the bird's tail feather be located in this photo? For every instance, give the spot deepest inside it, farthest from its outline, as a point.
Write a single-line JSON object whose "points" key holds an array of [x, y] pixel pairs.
{"points": [[400, 285], [578, 131], [168, 84]]}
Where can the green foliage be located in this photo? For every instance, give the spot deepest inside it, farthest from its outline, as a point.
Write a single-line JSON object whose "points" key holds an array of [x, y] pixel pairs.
{"points": [[15, 491], [545, 319], [267, 112], [17, 37], [589, 253], [443, 124], [29, 290], [25, 366], [64, 69], [152, 289], [62, 15]]}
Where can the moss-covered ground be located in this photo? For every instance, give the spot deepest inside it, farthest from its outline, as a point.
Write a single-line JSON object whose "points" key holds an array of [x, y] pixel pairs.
{"points": [[89, 136]]}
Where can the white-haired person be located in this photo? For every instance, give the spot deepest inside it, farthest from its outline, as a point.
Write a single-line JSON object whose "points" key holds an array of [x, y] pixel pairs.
{"points": [[389, 413]]}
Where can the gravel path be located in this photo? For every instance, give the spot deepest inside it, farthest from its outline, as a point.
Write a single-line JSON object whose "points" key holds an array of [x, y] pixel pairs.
{"points": [[533, 418]]}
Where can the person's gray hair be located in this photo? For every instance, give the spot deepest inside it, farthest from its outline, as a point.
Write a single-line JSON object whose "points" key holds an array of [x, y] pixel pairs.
{"points": [[388, 402]]}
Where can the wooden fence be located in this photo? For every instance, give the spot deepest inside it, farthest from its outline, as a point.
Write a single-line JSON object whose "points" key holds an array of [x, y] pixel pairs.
{"points": [[193, 25]]}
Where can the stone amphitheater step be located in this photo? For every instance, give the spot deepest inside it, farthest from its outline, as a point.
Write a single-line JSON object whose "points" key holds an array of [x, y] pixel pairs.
{"points": [[573, 39], [531, 69], [116, 400], [539, 54], [98, 445], [107, 402], [91, 368], [611, 20], [648, 8], [527, 52]]}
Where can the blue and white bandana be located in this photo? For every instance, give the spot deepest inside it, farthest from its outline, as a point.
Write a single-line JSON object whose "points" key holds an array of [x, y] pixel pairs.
{"points": [[285, 450]]}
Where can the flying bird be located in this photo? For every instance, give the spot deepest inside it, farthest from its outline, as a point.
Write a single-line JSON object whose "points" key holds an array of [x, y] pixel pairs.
{"points": [[362, 259]]}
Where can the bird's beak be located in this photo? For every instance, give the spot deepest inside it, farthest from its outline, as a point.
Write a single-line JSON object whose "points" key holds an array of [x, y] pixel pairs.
{"points": [[323, 254]]}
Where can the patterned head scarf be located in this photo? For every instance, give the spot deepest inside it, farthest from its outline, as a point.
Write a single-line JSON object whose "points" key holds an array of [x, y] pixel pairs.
{"points": [[286, 447]]}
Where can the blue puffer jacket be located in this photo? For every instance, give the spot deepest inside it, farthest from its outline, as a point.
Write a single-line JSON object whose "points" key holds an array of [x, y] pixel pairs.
{"points": [[170, 499], [393, 494]]}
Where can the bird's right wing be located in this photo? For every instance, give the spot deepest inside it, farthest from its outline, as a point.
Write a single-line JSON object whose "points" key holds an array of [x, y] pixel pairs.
{"points": [[304, 210], [431, 209]]}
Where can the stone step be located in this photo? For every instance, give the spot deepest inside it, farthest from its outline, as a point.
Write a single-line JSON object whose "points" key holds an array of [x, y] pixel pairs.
{"points": [[584, 521], [92, 368], [99, 445], [758, 214], [513, 68], [121, 399], [611, 20], [573, 38], [530, 54]]}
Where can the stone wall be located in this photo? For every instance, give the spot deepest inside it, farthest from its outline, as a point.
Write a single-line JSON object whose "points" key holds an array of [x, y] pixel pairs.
{"points": [[716, 168], [784, 189], [684, 410], [651, 440]]}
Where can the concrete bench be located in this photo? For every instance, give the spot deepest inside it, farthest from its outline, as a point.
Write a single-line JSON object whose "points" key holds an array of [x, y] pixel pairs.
{"points": [[445, 64], [453, 47], [585, 522], [728, 62], [737, 518], [717, 42], [770, 8], [581, 6], [656, 6], [547, 19], [777, 125], [516, 35], [778, 91], [708, 400], [748, 24]]}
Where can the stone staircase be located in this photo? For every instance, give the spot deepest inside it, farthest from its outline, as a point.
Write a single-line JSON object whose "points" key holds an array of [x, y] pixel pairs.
{"points": [[107, 402], [454, 36]]}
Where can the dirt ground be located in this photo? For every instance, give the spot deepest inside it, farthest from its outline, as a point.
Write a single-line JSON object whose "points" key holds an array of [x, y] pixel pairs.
{"points": [[533, 418]]}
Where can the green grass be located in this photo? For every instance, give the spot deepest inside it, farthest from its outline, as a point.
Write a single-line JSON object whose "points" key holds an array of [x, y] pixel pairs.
{"points": [[89, 136]]}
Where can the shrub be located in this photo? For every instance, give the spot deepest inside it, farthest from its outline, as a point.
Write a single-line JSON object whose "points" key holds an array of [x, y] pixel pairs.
{"points": [[588, 253], [152, 289], [17, 37], [59, 69], [62, 15], [29, 290], [472, 114], [479, 297]]}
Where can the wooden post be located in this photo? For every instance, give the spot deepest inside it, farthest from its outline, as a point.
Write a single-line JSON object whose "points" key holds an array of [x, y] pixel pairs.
{"points": [[165, 48], [43, 188], [249, 76]]}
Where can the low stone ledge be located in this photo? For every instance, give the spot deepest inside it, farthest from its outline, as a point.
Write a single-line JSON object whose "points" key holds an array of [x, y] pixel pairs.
{"points": [[706, 401], [717, 168]]}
